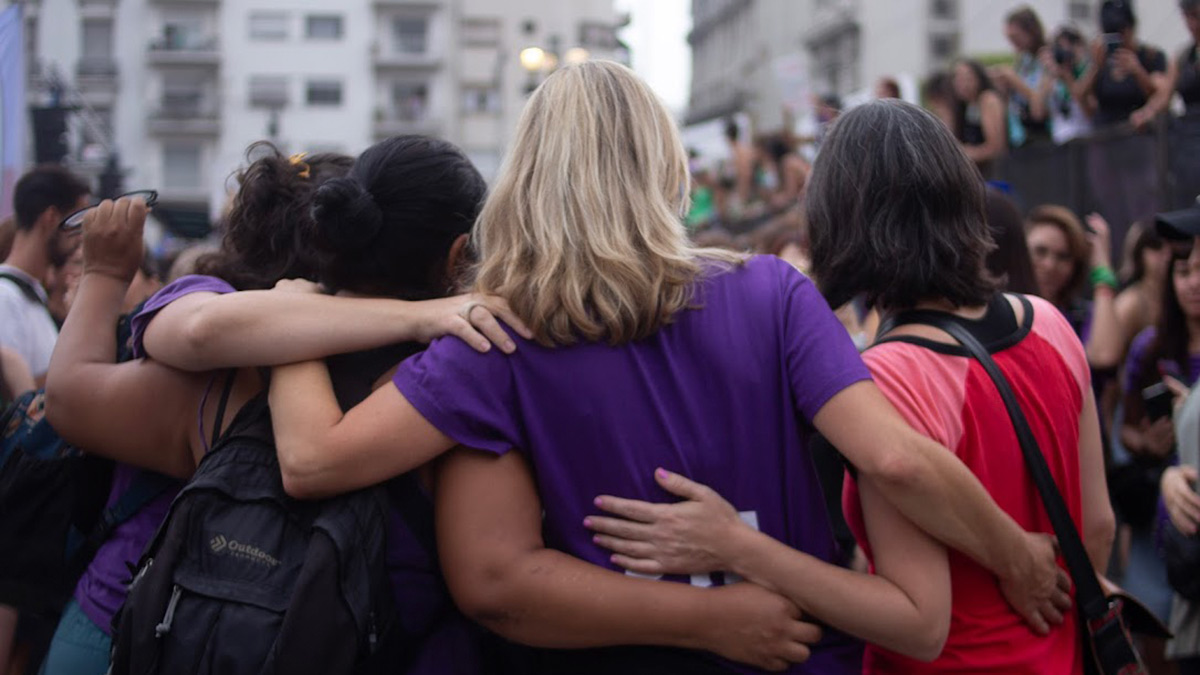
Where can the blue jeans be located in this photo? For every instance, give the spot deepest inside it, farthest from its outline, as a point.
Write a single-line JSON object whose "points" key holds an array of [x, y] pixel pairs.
{"points": [[79, 646]]}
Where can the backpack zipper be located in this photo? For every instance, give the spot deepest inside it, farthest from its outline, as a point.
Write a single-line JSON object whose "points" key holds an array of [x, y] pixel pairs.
{"points": [[372, 633], [169, 618]]}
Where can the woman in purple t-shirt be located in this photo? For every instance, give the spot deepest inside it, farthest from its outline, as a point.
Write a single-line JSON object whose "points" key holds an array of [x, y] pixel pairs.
{"points": [[646, 353], [98, 405]]}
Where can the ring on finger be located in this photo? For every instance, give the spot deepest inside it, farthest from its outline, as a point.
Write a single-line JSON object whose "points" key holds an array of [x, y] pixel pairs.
{"points": [[466, 310]]}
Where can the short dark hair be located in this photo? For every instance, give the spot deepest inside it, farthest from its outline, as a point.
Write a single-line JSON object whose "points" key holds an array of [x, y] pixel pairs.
{"points": [[1188, 5], [1027, 20], [387, 227], [891, 85], [1009, 262], [896, 212], [43, 187], [732, 131], [268, 230]]}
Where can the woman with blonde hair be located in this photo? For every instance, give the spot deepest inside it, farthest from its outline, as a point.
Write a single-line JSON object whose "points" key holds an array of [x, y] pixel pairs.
{"points": [[647, 353]]}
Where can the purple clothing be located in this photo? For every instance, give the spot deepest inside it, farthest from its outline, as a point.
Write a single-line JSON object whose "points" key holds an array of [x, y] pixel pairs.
{"points": [[1134, 363], [724, 395], [103, 586], [421, 597]]}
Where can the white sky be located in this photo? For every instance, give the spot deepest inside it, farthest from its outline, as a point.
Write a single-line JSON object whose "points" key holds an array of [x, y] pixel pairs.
{"points": [[657, 39]]}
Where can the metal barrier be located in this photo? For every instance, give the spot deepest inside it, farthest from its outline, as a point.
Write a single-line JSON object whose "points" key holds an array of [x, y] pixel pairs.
{"points": [[1122, 174]]}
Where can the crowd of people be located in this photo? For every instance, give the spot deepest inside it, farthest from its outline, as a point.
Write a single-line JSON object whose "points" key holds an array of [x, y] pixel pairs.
{"points": [[399, 422]]}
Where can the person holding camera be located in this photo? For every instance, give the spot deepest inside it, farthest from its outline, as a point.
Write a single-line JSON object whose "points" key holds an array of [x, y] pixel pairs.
{"points": [[1023, 80], [1183, 77], [1178, 485], [1067, 104], [1124, 78]]}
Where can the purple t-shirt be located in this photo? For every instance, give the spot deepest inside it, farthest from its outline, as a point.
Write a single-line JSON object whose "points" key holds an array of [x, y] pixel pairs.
{"points": [[451, 646], [1134, 363], [724, 395]]}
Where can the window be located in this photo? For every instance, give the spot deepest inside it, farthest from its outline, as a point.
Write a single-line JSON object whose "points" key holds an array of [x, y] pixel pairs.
{"points": [[943, 47], [184, 35], [1079, 11], [480, 32], [597, 35], [268, 26], [324, 92], [98, 39], [181, 166], [323, 27], [943, 9], [409, 101], [268, 91], [411, 35], [480, 100], [97, 127]]}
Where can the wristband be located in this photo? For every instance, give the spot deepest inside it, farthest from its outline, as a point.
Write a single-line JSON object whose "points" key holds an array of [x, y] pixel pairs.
{"points": [[1104, 276]]}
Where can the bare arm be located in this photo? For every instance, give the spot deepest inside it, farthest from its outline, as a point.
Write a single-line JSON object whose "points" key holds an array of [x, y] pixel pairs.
{"points": [[994, 134], [1099, 524], [324, 452], [17, 378], [933, 489], [90, 399], [206, 331], [1105, 345], [501, 575]]}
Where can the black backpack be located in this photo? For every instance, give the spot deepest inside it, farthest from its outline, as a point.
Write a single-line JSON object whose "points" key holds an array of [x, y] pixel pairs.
{"points": [[241, 578], [53, 513]]}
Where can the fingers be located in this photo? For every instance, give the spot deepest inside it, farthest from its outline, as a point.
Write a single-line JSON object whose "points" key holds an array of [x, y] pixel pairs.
{"points": [[1177, 388], [805, 632], [1190, 474], [501, 309], [617, 527], [1037, 622], [632, 509], [483, 321], [463, 330], [1051, 614], [796, 652], [680, 486], [638, 565], [626, 547]]}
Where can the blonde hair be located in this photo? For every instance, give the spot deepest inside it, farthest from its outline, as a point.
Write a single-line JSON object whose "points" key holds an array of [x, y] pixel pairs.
{"points": [[583, 231]]}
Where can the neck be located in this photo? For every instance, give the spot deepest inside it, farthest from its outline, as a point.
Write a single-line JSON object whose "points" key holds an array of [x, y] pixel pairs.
{"points": [[29, 255], [942, 305], [1193, 329]]}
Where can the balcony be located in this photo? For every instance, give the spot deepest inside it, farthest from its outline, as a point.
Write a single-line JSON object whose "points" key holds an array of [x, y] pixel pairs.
{"points": [[831, 22], [96, 75], [97, 9], [397, 60], [392, 123], [187, 114], [408, 4], [173, 51]]}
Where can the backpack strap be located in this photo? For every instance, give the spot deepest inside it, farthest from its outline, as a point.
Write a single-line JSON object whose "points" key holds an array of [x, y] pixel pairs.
{"points": [[25, 287], [146, 486], [1092, 602], [230, 377], [407, 496]]}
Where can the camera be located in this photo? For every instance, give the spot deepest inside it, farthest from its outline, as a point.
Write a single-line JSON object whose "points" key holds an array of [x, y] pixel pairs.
{"points": [[1115, 16], [1063, 55]]}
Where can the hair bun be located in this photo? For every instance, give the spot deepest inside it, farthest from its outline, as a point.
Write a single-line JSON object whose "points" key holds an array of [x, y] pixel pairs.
{"points": [[346, 215]]}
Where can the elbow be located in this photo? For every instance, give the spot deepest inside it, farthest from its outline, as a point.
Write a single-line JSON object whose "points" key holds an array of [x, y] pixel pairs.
{"points": [[1103, 358], [931, 640], [1101, 532], [303, 477], [898, 467], [194, 341], [482, 594]]}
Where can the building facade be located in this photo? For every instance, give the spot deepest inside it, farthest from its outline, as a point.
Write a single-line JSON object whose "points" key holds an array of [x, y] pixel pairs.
{"points": [[847, 45], [179, 89]]}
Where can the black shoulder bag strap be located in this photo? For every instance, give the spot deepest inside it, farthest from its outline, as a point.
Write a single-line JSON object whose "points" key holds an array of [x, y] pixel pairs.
{"points": [[25, 287], [1092, 602]]}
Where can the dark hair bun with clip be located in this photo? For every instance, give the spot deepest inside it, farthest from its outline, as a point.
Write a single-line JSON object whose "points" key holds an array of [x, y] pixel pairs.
{"points": [[346, 215]]}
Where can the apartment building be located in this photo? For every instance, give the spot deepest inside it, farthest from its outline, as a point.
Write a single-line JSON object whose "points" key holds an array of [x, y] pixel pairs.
{"points": [[847, 45], [180, 88]]}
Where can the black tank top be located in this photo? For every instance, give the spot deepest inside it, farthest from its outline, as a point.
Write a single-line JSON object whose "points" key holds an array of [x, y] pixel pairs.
{"points": [[1188, 84]]}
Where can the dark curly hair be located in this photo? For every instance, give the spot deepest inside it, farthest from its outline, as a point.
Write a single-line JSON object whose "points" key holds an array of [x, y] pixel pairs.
{"points": [[387, 227], [268, 229]]}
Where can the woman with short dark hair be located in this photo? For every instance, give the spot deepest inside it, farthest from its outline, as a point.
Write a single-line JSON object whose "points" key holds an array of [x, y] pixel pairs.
{"points": [[896, 213], [980, 116]]}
